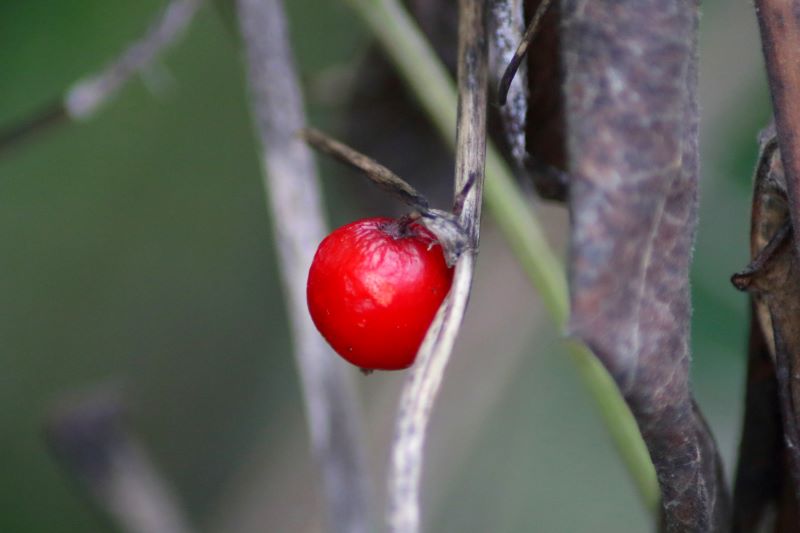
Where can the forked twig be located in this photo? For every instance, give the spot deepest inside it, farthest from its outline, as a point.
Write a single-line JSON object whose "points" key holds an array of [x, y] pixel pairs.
{"points": [[90, 440], [421, 388], [290, 178], [522, 49], [82, 100]]}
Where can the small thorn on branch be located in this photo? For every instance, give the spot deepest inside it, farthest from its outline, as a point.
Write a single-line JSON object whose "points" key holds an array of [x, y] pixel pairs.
{"points": [[461, 195], [744, 280]]}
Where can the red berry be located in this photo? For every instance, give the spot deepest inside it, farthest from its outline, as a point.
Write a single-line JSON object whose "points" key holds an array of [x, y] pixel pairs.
{"points": [[373, 289]]}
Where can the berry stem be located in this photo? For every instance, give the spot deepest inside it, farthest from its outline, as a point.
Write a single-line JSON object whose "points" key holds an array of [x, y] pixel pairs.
{"points": [[374, 171]]}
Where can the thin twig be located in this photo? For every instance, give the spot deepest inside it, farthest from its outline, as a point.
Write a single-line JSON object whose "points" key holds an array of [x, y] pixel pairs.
{"points": [[87, 96], [429, 82], [89, 439], [290, 178], [779, 21], [38, 123], [522, 49], [82, 100], [445, 225], [377, 173], [423, 384], [507, 24]]}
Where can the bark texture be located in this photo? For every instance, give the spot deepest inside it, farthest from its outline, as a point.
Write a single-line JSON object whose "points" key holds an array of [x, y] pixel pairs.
{"points": [[632, 131]]}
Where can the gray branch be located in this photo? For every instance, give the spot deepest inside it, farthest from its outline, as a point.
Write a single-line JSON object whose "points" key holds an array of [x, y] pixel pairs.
{"points": [[422, 386], [82, 100], [87, 96], [294, 199]]}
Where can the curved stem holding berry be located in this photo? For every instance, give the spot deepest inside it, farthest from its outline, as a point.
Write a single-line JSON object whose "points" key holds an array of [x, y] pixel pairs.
{"points": [[421, 388], [430, 83]]}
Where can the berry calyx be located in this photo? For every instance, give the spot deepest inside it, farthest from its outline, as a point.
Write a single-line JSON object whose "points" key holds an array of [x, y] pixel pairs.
{"points": [[374, 288]]}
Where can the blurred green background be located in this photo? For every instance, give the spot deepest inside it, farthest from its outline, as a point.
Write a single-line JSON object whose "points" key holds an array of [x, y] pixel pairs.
{"points": [[135, 251]]}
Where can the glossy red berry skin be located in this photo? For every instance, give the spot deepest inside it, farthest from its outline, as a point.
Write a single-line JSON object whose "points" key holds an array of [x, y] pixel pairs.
{"points": [[374, 288]]}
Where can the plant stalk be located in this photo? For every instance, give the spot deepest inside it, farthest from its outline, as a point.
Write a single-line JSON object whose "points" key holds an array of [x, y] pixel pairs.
{"points": [[430, 83]]}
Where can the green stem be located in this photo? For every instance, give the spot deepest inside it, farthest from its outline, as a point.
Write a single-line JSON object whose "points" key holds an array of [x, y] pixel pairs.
{"points": [[428, 80]]}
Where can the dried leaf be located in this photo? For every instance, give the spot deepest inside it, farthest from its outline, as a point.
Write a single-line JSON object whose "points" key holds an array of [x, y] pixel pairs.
{"points": [[631, 115]]}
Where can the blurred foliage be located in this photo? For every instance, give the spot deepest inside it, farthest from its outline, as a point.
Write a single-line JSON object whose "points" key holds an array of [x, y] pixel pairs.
{"points": [[136, 251]]}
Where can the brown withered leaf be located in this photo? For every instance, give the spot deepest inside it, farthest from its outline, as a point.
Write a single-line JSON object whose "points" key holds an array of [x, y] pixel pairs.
{"points": [[769, 459], [631, 122]]}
